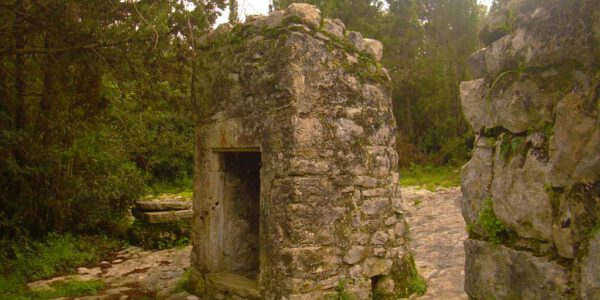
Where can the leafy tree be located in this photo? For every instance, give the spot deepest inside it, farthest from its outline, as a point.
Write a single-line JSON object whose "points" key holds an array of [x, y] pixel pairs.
{"points": [[95, 101]]}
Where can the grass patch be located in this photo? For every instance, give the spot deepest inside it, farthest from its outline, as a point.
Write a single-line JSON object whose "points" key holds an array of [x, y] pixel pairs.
{"points": [[54, 255], [430, 177], [73, 288], [182, 188]]}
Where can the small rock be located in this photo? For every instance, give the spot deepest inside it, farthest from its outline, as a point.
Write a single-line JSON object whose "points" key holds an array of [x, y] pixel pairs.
{"points": [[379, 238], [379, 252], [374, 48], [308, 14], [334, 27], [374, 266], [104, 264], [356, 40], [355, 255], [117, 261]]}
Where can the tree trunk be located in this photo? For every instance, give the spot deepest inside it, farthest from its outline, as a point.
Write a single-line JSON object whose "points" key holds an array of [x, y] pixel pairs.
{"points": [[47, 97], [19, 30]]}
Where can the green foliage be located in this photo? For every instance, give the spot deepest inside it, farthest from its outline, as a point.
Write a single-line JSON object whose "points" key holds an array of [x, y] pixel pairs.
{"points": [[342, 293], [96, 103], [491, 225], [511, 145], [73, 288], [55, 254], [430, 177], [408, 281]]}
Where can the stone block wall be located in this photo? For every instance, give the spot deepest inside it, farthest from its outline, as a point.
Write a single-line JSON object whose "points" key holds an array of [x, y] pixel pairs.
{"points": [[312, 99], [531, 192]]}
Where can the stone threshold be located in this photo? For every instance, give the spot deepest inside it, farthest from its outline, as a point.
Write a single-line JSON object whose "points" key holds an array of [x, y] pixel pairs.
{"points": [[231, 283]]}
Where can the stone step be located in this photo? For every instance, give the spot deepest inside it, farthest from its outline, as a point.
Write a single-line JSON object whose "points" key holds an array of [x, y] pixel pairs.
{"points": [[166, 216], [231, 283], [163, 205]]}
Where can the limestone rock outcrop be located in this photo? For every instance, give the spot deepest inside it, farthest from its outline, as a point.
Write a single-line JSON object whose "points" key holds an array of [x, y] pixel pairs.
{"points": [[531, 192], [296, 186]]}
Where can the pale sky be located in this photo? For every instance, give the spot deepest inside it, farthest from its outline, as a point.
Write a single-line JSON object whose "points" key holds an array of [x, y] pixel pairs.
{"points": [[261, 7]]}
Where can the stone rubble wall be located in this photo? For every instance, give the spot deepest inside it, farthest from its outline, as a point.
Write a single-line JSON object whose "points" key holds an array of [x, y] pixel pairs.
{"points": [[531, 192], [316, 101]]}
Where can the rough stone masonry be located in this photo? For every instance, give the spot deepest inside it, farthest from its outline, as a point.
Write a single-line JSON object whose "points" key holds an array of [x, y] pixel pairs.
{"points": [[531, 192], [296, 187]]}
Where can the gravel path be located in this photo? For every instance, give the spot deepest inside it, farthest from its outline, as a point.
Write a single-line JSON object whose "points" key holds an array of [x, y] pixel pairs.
{"points": [[437, 232]]}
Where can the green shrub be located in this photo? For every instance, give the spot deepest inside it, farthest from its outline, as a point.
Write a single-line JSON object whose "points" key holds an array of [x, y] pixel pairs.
{"points": [[86, 186]]}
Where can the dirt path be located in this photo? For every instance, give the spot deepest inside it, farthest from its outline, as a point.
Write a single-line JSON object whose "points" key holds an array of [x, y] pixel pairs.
{"points": [[437, 231]]}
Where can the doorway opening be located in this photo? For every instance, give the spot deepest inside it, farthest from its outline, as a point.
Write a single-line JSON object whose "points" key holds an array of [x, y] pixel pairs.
{"points": [[241, 212]]}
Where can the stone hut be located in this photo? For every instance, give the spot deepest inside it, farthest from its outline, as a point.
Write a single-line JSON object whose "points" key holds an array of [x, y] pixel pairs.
{"points": [[296, 188], [531, 192]]}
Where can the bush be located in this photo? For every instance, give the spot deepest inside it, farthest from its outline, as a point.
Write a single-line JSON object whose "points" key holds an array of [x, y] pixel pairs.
{"points": [[85, 186]]}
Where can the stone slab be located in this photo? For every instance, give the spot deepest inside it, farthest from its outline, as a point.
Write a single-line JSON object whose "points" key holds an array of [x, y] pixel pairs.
{"points": [[230, 283], [163, 205], [167, 216]]}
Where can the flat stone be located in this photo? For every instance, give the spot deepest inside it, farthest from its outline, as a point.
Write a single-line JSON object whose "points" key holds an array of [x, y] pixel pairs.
{"points": [[163, 205], [167, 216]]}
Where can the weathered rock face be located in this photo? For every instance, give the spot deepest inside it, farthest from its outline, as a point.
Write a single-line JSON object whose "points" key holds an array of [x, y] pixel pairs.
{"points": [[533, 183], [296, 189]]}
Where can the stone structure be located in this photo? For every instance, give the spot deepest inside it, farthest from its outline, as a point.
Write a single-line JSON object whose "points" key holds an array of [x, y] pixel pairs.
{"points": [[296, 189], [531, 192], [164, 221]]}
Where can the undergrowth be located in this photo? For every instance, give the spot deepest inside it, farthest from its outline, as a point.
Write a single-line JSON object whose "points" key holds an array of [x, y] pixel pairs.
{"points": [[54, 255]]}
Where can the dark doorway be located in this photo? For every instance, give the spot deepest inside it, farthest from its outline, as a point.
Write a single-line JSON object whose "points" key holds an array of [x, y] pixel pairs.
{"points": [[241, 197]]}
